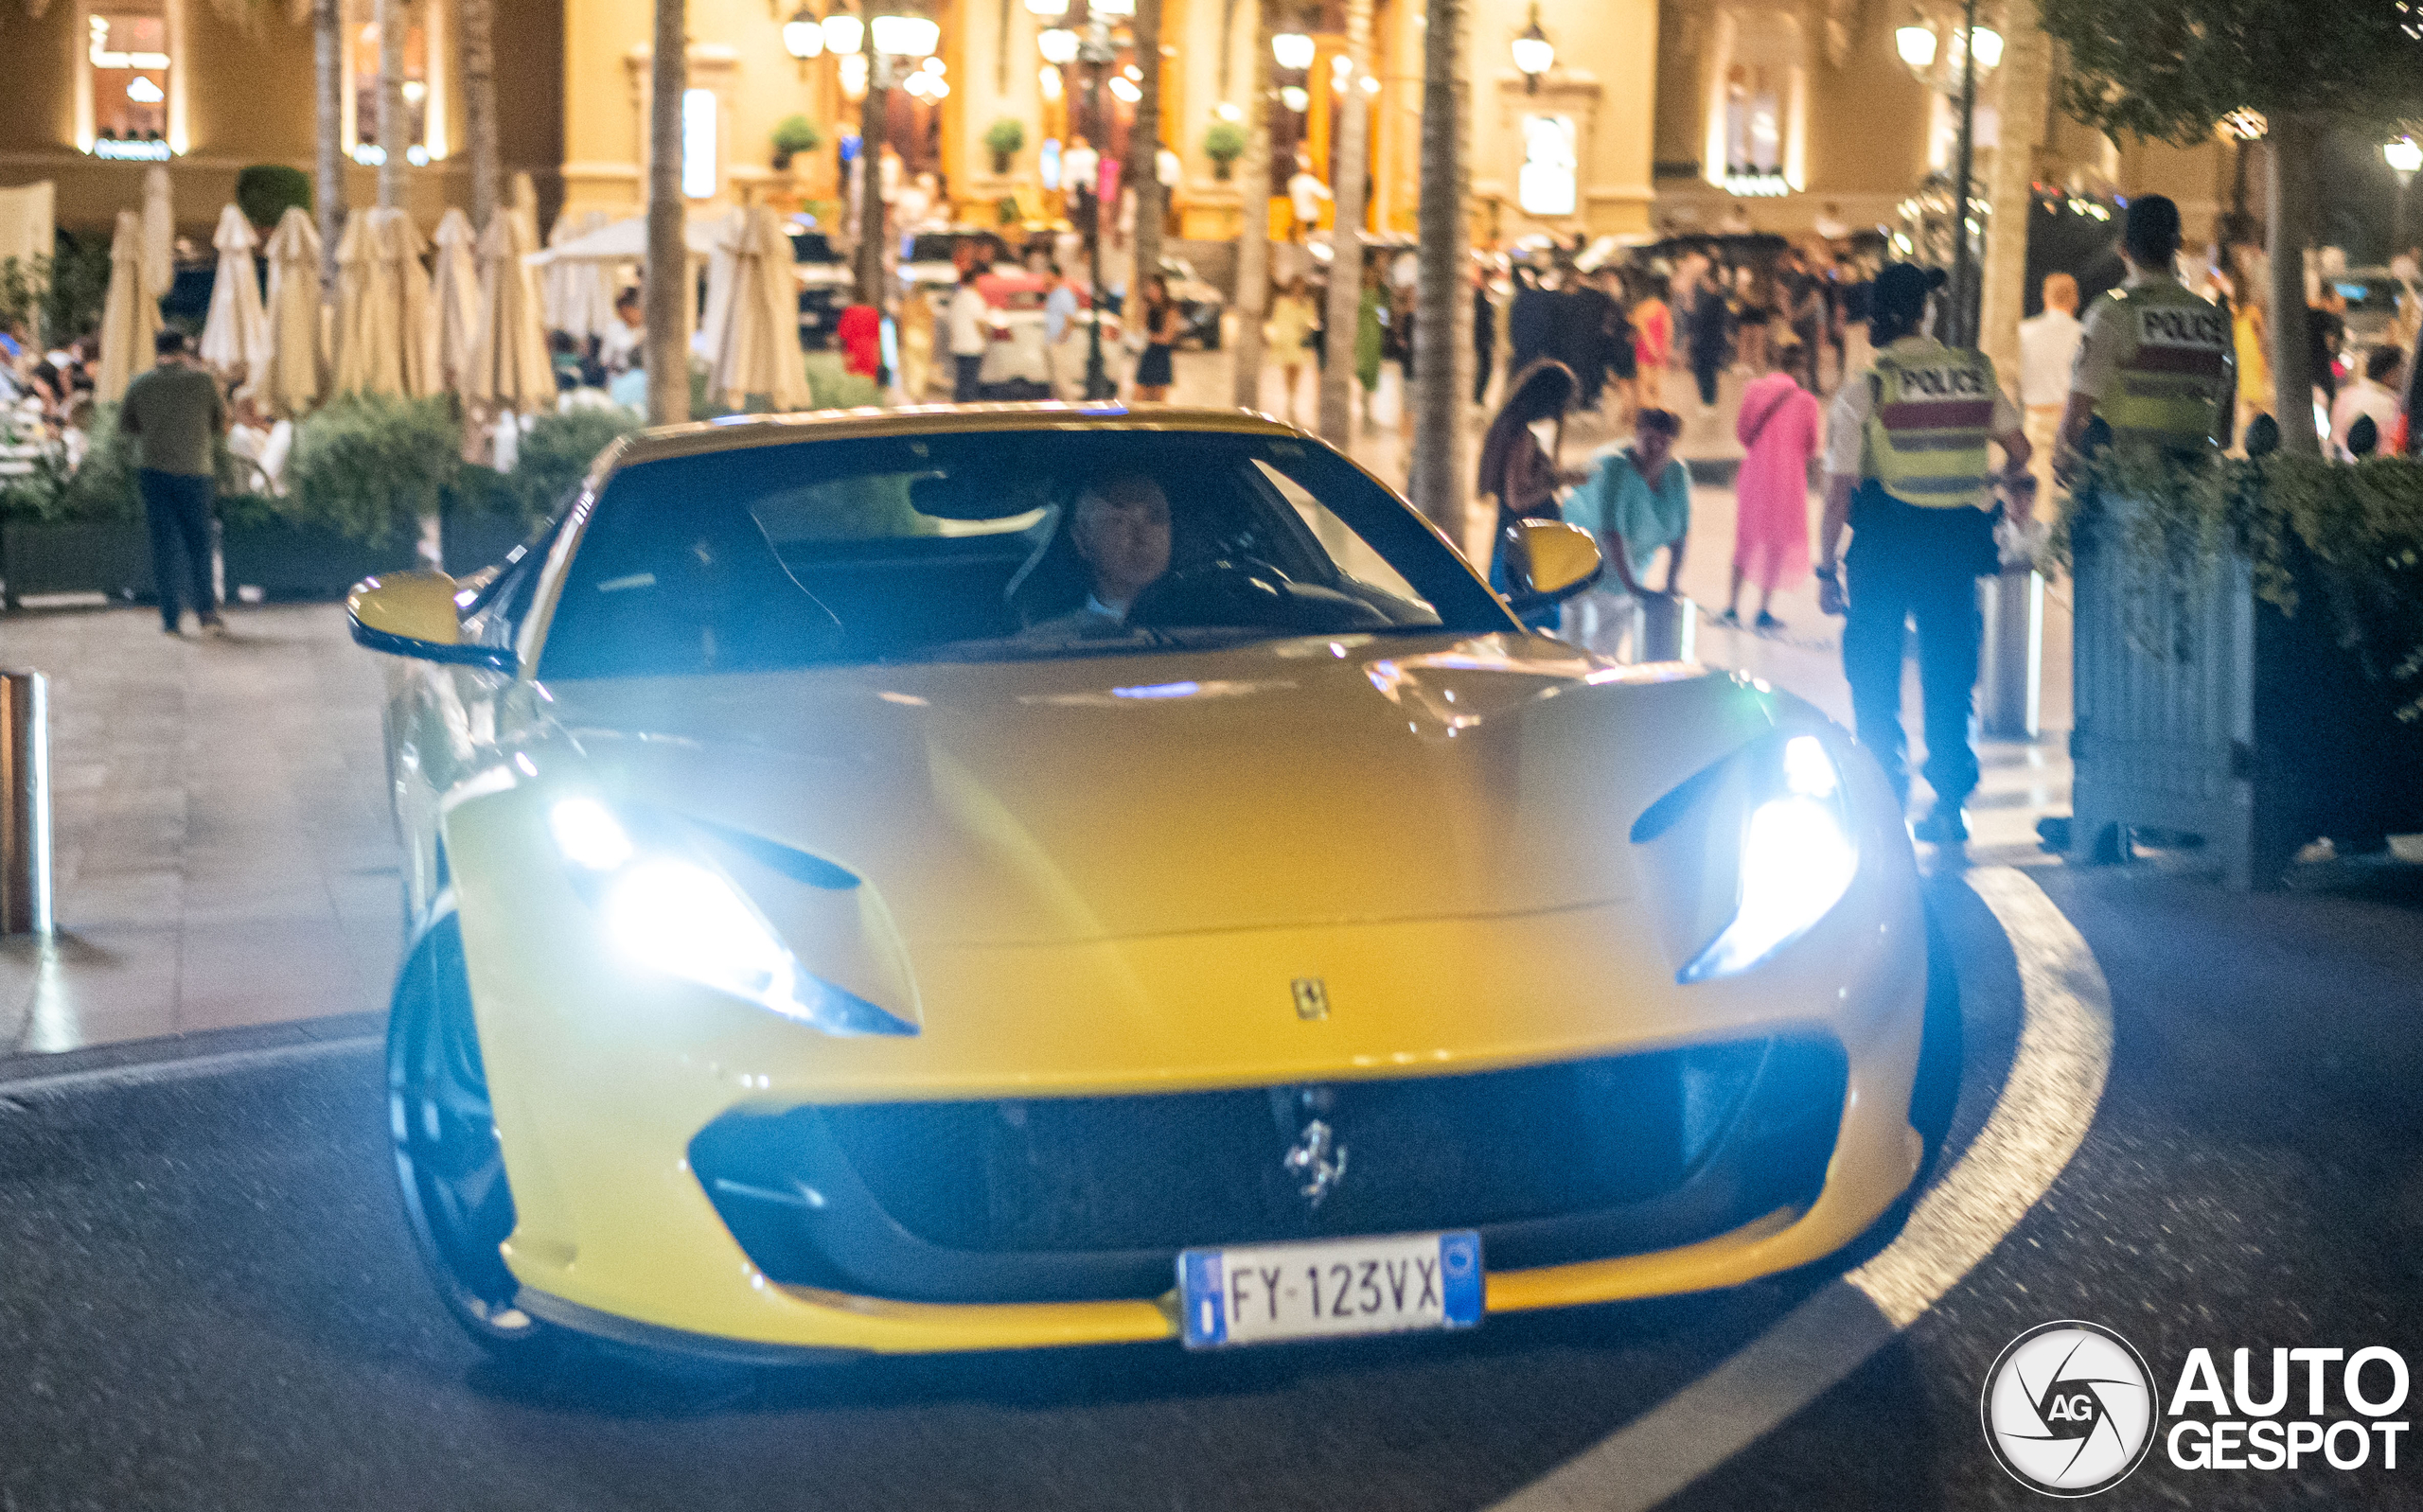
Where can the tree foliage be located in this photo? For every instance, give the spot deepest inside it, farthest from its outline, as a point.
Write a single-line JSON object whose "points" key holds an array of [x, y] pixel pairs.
{"points": [[2171, 69]]}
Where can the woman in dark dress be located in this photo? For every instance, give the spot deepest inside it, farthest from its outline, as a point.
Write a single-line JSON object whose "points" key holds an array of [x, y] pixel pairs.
{"points": [[1520, 473], [1152, 377]]}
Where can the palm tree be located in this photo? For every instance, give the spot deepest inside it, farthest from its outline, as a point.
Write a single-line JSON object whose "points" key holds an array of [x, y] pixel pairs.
{"points": [[1254, 242], [1442, 307], [479, 103], [392, 139], [1144, 142], [669, 253], [327, 77], [1346, 242]]}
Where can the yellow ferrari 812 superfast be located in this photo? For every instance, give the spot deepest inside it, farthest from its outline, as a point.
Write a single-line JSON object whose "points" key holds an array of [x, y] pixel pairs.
{"points": [[1006, 876]]}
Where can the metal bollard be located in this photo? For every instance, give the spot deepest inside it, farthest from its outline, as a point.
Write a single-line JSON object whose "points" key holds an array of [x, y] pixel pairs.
{"points": [[24, 803], [2011, 666]]}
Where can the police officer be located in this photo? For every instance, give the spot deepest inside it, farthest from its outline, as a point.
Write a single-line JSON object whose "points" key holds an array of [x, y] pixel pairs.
{"points": [[1908, 472], [2156, 362]]}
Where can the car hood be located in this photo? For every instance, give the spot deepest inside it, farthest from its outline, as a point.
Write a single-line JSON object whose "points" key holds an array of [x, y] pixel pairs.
{"points": [[1295, 782]]}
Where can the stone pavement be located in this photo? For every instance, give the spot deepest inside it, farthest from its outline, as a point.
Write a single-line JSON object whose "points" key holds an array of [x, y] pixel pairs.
{"points": [[223, 853]]}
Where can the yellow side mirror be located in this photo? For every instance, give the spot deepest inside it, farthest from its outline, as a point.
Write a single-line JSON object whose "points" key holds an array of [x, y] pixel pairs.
{"points": [[1548, 560], [414, 614]]}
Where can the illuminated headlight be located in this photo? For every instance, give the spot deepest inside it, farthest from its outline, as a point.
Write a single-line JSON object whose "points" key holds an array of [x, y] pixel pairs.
{"points": [[1797, 860], [670, 914]]}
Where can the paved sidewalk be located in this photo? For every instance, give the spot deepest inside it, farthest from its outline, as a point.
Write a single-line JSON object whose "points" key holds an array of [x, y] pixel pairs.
{"points": [[224, 854]]}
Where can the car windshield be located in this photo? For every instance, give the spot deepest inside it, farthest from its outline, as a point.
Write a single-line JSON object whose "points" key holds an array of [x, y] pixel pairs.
{"points": [[932, 247], [994, 546], [811, 246]]}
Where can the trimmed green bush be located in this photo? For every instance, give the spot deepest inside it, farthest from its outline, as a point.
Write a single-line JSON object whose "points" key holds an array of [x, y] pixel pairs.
{"points": [[1224, 142], [266, 191], [836, 387], [1006, 138], [372, 468], [555, 454]]}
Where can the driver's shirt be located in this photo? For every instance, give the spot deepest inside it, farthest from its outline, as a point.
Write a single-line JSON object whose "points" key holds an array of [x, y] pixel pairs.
{"points": [[1088, 620]]}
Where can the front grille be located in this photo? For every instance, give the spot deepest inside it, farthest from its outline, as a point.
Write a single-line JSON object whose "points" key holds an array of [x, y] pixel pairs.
{"points": [[1064, 1196]]}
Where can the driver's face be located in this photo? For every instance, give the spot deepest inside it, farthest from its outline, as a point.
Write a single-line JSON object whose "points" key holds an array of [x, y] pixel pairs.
{"points": [[1125, 539]]}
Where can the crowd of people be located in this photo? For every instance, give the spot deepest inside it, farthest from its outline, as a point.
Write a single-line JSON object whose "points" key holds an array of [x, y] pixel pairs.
{"points": [[48, 393]]}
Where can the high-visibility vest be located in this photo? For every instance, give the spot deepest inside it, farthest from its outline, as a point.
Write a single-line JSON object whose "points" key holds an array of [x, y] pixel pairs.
{"points": [[1927, 426], [2173, 368]]}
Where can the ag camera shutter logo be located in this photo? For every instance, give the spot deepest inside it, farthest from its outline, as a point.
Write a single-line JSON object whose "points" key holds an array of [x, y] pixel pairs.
{"points": [[2069, 1409]]}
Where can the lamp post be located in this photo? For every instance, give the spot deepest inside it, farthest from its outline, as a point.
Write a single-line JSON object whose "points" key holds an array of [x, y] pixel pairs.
{"points": [[1534, 55], [1978, 49], [804, 39], [1096, 53], [2403, 157], [889, 33]]}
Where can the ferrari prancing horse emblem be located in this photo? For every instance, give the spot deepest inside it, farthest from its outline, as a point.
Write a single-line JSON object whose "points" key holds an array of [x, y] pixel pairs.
{"points": [[1312, 997]]}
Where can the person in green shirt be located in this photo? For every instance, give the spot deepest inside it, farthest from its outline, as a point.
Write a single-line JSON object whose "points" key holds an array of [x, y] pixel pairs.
{"points": [[1638, 501], [174, 414]]}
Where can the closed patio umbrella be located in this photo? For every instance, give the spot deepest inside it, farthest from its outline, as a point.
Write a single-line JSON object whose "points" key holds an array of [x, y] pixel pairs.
{"points": [[364, 363], [159, 231], [579, 293], [523, 202], [758, 352], [297, 370], [509, 369], [235, 339], [714, 314], [454, 293], [400, 244], [129, 314]]}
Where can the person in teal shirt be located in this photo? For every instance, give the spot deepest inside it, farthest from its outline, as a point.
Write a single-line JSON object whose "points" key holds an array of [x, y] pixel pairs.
{"points": [[1638, 501]]}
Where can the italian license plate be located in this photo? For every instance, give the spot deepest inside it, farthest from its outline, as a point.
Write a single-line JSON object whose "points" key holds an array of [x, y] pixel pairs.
{"points": [[1332, 1289]]}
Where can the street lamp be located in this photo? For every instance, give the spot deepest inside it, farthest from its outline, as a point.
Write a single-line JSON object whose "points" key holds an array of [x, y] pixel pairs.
{"points": [[1973, 52], [1534, 55], [1292, 50], [1062, 47], [2403, 157], [894, 32]]}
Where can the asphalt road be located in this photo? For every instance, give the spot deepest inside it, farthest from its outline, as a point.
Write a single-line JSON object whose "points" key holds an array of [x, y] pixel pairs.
{"points": [[207, 1298]]}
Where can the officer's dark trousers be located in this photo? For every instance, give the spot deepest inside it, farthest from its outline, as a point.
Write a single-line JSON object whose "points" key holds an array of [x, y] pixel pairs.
{"points": [[1909, 564]]}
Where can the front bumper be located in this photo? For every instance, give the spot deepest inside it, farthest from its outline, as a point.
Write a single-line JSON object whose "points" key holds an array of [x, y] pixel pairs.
{"points": [[615, 1127]]}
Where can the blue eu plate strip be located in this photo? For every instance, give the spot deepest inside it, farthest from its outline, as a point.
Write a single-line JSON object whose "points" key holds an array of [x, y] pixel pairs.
{"points": [[1207, 1300]]}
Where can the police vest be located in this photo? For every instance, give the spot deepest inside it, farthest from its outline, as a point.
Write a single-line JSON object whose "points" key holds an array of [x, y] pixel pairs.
{"points": [[1927, 427], [2172, 369]]}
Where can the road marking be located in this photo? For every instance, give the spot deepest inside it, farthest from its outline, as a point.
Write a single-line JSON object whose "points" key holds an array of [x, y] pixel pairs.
{"points": [[148, 1073], [2056, 1082]]}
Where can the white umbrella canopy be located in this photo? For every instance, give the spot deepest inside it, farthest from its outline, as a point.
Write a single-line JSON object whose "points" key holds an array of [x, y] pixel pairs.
{"points": [[159, 231], [368, 360], [579, 292], [399, 243], [523, 202], [509, 368], [758, 352], [454, 293], [129, 314], [715, 316], [297, 369], [235, 338]]}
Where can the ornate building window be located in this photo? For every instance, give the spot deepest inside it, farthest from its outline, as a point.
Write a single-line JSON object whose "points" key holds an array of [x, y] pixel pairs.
{"points": [[1757, 103], [130, 98], [424, 83]]}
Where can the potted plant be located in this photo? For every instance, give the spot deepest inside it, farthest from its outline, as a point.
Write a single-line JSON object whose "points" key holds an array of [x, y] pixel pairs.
{"points": [[1004, 139], [366, 483], [80, 529], [1224, 143], [794, 134]]}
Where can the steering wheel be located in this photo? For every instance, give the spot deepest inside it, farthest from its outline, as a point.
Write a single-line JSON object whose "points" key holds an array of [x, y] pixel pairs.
{"points": [[1246, 590]]}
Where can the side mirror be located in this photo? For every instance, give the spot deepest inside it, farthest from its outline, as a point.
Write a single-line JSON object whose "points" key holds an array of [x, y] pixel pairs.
{"points": [[1549, 561], [413, 614]]}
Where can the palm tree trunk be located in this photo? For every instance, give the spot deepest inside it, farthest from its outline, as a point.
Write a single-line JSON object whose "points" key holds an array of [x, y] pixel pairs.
{"points": [[1443, 300], [394, 20], [327, 78], [1254, 241], [2292, 215], [479, 104], [1346, 242], [668, 256], [1144, 167]]}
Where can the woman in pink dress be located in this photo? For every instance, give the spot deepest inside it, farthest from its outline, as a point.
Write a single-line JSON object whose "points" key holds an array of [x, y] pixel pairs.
{"points": [[1778, 430]]}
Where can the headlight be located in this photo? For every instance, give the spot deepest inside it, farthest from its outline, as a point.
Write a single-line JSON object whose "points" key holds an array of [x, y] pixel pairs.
{"points": [[674, 915], [1797, 860]]}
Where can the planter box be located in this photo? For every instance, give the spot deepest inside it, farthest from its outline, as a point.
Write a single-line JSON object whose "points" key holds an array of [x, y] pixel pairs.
{"points": [[2205, 710], [109, 556], [304, 561], [473, 541]]}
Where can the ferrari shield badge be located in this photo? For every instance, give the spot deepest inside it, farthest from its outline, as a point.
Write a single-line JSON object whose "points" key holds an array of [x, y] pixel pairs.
{"points": [[1312, 997], [1316, 1161]]}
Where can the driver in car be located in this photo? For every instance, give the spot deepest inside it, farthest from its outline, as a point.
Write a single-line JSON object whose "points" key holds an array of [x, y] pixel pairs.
{"points": [[1121, 529]]}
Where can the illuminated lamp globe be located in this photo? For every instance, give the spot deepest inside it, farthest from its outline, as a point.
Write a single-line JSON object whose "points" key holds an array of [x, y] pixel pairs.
{"points": [[2403, 155], [906, 36], [1916, 44], [843, 32], [802, 38], [1059, 46], [1292, 49], [1534, 55]]}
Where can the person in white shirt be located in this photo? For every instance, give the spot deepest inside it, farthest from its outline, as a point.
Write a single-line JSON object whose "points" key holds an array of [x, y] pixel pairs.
{"points": [[2371, 394], [1306, 194], [2048, 352], [968, 335]]}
